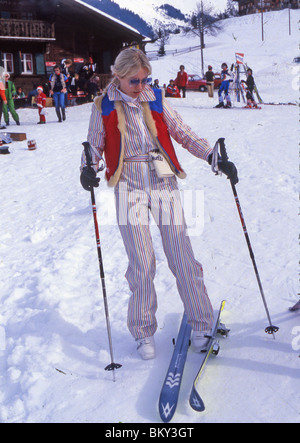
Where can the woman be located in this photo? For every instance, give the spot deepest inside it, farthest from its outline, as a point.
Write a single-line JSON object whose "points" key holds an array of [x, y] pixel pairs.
{"points": [[58, 90], [182, 80], [129, 124]]}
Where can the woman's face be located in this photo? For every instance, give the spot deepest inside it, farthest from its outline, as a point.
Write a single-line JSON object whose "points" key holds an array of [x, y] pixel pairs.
{"points": [[133, 85]]}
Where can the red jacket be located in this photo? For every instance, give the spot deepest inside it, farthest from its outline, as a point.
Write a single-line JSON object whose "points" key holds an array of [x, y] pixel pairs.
{"points": [[181, 79], [40, 99], [172, 91], [2, 92]]}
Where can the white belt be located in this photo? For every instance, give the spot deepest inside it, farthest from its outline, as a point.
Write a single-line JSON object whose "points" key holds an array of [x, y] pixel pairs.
{"points": [[138, 158]]}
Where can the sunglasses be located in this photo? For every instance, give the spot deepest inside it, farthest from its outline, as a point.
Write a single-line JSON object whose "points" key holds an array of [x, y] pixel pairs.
{"points": [[136, 81]]}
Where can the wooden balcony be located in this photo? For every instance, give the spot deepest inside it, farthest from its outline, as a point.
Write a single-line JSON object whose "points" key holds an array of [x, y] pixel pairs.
{"points": [[12, 29]]}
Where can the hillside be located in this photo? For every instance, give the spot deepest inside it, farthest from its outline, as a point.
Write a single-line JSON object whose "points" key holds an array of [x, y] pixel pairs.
{"points": [[150, 6], [271, 59], [154, 14]]}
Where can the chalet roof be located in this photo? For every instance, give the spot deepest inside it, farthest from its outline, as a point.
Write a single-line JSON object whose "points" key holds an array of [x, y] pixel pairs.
{"points": [[109, 17], [103, 19]]}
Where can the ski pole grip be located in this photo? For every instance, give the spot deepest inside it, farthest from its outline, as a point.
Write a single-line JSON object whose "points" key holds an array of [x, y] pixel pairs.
{"points": [[87, 152], [223, 151]]}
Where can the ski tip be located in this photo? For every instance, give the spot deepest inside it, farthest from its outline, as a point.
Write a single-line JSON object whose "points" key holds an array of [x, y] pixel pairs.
{"points": [[166, 411], [196, 401]]}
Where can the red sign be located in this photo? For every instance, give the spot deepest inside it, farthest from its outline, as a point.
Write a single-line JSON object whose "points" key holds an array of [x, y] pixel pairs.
{"points": [[239, 58]]}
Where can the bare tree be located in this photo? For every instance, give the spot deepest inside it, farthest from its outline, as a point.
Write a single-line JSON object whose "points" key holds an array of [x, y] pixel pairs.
{"points": [[202, 21]]}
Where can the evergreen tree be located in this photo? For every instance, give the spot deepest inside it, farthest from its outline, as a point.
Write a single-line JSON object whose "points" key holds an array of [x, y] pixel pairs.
{"points": [[231, 9]]}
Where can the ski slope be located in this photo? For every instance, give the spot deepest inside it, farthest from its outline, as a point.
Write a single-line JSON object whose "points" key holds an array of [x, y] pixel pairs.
{"points": [[53, 341]]}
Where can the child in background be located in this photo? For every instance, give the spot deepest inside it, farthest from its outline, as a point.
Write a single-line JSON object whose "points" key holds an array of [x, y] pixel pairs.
{"points": [[224, 88], [172, 90], [40, 99], [250, 85]]}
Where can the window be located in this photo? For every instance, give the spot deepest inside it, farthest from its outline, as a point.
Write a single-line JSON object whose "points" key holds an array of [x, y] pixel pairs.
{"points": [[5, 14], [8, 62], [27, 16], [27, 64]]}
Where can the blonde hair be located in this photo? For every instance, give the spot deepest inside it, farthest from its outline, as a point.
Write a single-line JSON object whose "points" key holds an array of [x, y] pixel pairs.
{"points": [[128, 63]]}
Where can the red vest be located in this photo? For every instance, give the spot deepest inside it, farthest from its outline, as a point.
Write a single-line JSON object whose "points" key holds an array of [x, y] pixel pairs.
{"points": [[114, 123]]}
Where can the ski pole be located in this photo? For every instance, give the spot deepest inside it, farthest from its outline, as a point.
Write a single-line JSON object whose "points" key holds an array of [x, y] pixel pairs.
{"points": [[270, 329], [112, 366]]}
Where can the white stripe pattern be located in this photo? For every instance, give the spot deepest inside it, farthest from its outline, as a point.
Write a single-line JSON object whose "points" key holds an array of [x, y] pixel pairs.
{"points": [[139, 193]]}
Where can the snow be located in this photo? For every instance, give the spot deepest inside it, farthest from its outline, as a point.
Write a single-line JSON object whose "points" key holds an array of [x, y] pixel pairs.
{"points": [[149, 6], [53, 340]]}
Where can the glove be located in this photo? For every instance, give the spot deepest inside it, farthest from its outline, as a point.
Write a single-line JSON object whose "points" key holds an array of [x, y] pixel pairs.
{"points": [[228, 168], [88, 178]]}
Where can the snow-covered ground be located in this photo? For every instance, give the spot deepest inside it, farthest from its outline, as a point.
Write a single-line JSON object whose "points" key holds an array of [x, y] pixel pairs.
{"points": [[53, 341]]}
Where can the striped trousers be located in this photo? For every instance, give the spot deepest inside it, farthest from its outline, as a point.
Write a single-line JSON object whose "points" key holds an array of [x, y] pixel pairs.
{"points": [[139, 193]]}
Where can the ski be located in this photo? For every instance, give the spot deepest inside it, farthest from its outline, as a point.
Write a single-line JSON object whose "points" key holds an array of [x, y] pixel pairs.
{"points": [[279, 104], [257, 94], [170, 390], [251, 107], [296, 307], [213, 347]]}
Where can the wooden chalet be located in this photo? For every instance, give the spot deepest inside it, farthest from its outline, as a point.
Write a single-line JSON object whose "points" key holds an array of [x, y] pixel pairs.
{"points": [[254, 6], [36, 34]]}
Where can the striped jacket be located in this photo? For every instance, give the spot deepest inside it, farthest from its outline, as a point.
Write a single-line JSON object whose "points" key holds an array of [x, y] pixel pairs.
{"points": [[109, 133]]}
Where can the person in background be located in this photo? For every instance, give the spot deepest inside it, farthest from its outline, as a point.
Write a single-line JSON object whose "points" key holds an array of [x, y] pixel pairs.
{"points": [[182, 80], [20, 93], [2, 100], [58, 90], [40, 100], [156, 84], [93, 87], [250, 83], [65, 65], [89, 69], [210, 77], [224, 88], [9, 106], [129, 124], [172, 90], [32, 93]]}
